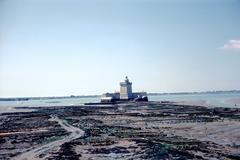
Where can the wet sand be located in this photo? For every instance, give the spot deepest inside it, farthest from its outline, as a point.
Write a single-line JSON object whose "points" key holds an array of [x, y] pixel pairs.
{"points": [[143, 130]]}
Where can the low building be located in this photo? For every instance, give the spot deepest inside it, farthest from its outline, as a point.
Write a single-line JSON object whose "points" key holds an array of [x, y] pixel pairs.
{"points": [[125, 94]]}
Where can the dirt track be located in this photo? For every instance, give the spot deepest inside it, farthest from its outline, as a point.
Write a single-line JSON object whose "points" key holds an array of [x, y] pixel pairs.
{"points": [[44, 149]]}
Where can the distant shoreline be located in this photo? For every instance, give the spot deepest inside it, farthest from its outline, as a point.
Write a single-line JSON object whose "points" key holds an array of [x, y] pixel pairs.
{"points": [[45, 98], [94, 96]]}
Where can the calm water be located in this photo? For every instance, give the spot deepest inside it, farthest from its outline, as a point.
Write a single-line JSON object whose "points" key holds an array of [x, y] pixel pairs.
{"points": [[211, 100]]}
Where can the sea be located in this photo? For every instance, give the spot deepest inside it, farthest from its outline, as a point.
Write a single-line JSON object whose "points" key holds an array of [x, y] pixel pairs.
{"points": [[229, 100]]}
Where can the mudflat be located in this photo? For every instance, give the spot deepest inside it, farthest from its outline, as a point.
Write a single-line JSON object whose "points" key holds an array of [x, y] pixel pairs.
{"points": [[131, 130]]}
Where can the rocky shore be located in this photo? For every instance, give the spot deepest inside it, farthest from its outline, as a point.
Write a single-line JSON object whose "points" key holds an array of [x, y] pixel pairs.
{"points": [[133, 130]]}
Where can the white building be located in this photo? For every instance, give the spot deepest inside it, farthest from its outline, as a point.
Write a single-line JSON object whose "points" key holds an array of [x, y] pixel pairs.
{"points": [[125, 94]]}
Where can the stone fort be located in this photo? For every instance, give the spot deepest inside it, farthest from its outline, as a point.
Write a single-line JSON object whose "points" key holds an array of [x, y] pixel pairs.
{"points": [[125, 94]]}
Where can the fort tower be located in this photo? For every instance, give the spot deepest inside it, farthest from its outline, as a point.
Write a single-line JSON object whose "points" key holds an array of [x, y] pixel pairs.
{"points": [[126, 89]]}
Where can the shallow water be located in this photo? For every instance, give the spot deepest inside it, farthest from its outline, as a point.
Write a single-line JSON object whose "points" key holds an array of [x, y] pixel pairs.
{"points": [[210, 100], [229, 100], [9, 106]]}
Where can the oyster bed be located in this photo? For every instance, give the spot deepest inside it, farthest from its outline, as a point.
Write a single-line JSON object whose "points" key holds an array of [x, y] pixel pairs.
{"points": [[133, 130]]}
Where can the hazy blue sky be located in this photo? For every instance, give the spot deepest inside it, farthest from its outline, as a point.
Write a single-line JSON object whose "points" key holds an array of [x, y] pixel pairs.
{"points": [[63, 47]]}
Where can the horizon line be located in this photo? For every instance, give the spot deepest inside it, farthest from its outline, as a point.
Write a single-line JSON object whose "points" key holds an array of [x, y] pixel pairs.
{"points": [[150, 93]]}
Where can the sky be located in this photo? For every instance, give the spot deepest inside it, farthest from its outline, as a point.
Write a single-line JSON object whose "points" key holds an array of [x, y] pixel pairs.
{"points": [[86, 47]]}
